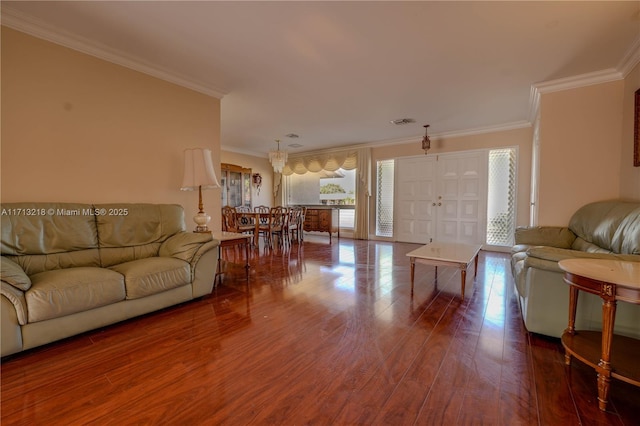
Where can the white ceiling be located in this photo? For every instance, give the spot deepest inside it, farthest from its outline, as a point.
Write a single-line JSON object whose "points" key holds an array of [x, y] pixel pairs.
{"points": [[336, 73]]}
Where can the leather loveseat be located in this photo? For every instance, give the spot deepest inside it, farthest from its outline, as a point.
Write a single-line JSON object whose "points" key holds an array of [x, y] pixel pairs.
{"points": [[68, 268], [600, 230]]}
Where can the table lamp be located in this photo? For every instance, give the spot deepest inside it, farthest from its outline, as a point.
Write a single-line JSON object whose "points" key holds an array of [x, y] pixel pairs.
{"points": [[199, 174]]}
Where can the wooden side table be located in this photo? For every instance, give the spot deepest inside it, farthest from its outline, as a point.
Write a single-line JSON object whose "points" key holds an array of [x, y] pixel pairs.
{"points": [[610, 355], [231, 239]]}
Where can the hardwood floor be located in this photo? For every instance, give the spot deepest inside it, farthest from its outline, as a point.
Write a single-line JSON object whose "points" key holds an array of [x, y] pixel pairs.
{"points": [[323, 335]]}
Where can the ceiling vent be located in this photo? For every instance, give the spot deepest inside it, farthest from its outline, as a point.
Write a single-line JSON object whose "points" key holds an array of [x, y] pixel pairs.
{"points": [[401, 121]]}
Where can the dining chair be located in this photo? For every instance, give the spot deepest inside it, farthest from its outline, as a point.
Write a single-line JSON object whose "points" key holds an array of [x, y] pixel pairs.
{"points": [[229, 219], [264, 214], [234, 221], [275, 226], [293, 224]]}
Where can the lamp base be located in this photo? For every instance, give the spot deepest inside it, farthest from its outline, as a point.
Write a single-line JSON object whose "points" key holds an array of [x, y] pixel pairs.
{"points": [[201, 219]]}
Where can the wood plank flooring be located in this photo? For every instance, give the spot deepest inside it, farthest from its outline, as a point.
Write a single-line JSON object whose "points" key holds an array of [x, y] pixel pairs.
{"points": [[321, 335]]}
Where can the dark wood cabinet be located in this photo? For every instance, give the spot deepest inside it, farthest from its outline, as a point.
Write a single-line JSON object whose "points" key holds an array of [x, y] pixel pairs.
{"points": [[322, 220]]}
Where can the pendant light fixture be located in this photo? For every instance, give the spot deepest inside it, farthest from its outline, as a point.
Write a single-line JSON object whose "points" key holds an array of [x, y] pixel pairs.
{"points": [[278, 158], [426, 142]]}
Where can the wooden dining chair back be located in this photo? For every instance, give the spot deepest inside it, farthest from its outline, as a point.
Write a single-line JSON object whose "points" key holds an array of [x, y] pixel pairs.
{"points": [[229, 222], [275, 226], [264, 214], [234, 221], [293, 225]]}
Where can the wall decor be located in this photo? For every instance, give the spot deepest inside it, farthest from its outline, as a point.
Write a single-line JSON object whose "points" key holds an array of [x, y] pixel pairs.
{"points": [[257, 181]]}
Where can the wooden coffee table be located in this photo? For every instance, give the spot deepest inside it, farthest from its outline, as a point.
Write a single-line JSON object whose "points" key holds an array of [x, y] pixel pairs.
{"points": [[446, 254]]}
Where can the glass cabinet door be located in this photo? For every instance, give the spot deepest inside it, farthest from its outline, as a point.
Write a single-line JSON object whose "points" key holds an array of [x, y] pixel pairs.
{"points": [[246, 189], [236, 185]]}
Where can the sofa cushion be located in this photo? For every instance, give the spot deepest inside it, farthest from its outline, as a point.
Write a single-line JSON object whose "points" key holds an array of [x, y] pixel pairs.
{"points": [[627, 238], [36, 263], [44, 236], [129, 232], [13, 274], [62, 292], [44, 228], [144, 277], [611, 225], [581, 244]]}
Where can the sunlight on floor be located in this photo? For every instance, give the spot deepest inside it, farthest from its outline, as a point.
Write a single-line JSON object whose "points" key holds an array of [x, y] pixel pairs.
{"points": [[495, 279]]}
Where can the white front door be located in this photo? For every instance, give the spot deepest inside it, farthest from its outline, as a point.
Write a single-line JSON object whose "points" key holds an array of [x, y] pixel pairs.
{"points": [[441, 198], [414, 205], [462, 197]]}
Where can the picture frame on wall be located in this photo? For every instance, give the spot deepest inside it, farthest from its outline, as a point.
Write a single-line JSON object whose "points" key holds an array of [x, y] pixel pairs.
{"points": [[636, 131]]}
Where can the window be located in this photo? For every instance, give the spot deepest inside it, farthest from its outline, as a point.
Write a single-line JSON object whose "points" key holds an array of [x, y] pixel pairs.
{"points": [[384, 197], [501, 198], [325, 188]]}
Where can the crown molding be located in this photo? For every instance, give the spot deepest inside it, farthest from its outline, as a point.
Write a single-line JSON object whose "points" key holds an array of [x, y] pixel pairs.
{"points": [[24, 23], [560, 84], [582, 80], [228, 148], [631, 59], [443, 135], [37, 28], [628, 62], [454, 134], [482, 130]]}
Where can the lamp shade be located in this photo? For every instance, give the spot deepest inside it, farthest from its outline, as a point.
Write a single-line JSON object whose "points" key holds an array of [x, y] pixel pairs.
{"points": [[198, 170]]}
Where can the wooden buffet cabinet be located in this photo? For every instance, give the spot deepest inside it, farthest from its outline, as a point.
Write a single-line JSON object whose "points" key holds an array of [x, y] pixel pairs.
{"points": [[322, 220]]}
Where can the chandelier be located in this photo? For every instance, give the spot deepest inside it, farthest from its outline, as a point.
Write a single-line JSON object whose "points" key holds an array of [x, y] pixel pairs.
{"points": [[426, 142], [278, 158]]}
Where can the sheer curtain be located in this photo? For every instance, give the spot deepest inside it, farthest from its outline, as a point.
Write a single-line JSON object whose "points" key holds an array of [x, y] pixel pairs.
{"points": [[332, 160]]}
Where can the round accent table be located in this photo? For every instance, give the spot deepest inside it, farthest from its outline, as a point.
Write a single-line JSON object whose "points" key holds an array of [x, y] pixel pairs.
{"points": [[610, 355]]}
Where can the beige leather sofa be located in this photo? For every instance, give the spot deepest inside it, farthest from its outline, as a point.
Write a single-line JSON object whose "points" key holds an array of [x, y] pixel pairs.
{"points": [[603, 230], [68, 268]]}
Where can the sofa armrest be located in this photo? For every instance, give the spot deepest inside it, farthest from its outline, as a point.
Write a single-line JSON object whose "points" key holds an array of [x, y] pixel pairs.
{"points": [[16, 297], [188, 246], [554, 236], [12, 274], [548, 257], [557, 254]]}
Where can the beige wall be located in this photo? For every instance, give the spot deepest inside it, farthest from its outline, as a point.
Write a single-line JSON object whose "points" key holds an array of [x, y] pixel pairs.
{"points": [[257, 165], [521, 138], [630, 176], [77, 128], [580, 149]]}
